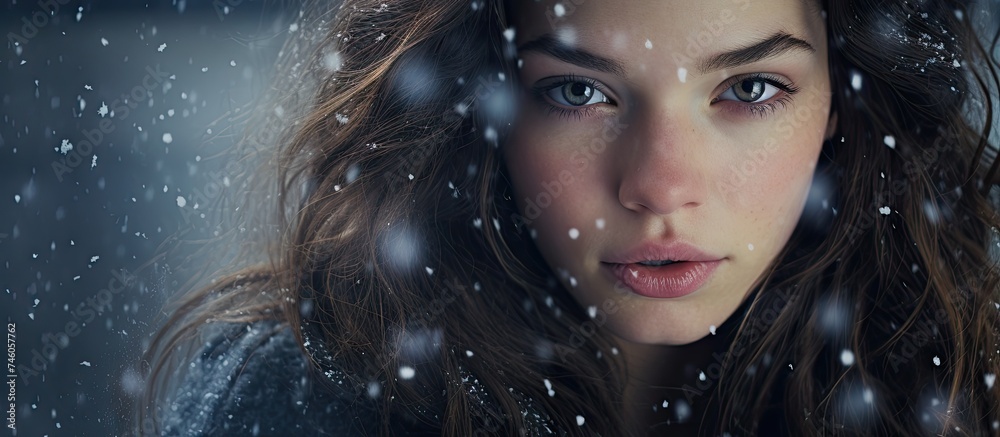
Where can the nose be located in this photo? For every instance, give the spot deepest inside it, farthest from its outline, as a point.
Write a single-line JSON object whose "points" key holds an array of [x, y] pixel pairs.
{"points": [[664, 167]]}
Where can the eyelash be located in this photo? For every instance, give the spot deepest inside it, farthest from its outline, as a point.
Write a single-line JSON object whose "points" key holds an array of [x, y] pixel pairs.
{"points": [[539, 93], [761, 110]]}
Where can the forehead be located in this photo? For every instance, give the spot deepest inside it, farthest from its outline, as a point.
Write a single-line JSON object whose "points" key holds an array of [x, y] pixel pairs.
{"points": [[673, 27]]}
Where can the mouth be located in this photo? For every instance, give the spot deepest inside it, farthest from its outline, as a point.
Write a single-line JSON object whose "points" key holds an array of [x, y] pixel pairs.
{"points": [[657, 263], [663, 279], [660, 270]]}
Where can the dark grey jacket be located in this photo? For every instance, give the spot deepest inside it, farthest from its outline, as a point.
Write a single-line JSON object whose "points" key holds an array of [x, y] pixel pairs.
{"points": [[252, 380]]}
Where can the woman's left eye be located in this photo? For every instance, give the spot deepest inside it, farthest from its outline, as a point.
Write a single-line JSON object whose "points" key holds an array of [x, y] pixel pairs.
{"points": [[576, 94], [751, 90], [755, 89]]}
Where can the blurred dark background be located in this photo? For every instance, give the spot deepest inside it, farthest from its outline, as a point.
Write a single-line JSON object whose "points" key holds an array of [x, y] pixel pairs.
{"points": [[113, 116]]}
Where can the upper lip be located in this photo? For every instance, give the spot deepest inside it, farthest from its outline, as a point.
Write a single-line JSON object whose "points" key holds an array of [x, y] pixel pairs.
{"points": [[653, 251]]}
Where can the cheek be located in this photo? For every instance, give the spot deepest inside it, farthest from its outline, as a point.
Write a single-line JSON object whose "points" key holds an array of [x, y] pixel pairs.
{"points": [[549, 171], [554, 185], [770, 185], [530, 167], [777, 169]]}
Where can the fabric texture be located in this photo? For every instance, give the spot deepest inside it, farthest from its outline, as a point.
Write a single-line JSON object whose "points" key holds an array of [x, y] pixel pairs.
{"points": [[253, 380]]}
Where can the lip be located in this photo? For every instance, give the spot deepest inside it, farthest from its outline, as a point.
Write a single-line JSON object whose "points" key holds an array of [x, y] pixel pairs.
{"points": [[691, 271]]}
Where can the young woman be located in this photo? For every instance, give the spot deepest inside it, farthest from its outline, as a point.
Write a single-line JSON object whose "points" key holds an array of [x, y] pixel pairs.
{"points": [[726, 217]]}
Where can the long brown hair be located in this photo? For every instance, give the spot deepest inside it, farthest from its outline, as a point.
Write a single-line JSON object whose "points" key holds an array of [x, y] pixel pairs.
{"points": [[891, 324], [392, 222]]}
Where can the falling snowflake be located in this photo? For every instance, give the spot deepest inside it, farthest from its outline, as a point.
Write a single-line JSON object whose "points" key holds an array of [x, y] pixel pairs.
{"points": [[846, 357], [374, 389], [490, 135], [407, 372], [890, 141], [868, 395], [509, 34]]}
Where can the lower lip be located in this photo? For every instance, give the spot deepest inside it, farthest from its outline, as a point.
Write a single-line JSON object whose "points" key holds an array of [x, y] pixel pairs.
{"points": [[665, 282]]}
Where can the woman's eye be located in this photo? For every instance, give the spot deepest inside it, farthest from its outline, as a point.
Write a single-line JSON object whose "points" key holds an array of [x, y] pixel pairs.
{"points": [[750, 90], [576, 94]]}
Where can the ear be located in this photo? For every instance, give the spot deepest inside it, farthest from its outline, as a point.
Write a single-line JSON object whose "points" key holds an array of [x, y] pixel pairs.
{"points": [[831, 126]]}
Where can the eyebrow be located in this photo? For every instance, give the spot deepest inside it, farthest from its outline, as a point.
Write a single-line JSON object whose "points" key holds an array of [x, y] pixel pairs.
{"points": [[774, 45], [552, 46]]}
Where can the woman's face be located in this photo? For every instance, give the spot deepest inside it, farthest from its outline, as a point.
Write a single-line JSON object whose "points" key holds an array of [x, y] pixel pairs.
{"points": [[666, 132]]}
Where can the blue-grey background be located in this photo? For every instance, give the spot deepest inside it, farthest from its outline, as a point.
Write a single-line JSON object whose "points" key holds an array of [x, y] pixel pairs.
{"points": [[69, 223]]}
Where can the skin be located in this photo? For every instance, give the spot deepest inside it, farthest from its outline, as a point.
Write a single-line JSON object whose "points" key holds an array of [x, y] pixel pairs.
{"points": [[666, 159]]}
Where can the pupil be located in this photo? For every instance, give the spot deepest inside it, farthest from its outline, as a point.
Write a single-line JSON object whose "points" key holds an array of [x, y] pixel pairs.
{"points": [[751, 90], [578, 93]]}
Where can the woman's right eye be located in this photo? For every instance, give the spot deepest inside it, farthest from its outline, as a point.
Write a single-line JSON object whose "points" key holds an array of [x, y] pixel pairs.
{"points": [[576, 93]]}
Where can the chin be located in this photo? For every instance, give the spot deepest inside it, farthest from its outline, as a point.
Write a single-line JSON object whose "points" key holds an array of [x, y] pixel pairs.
{"points": [[657, 334]]}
